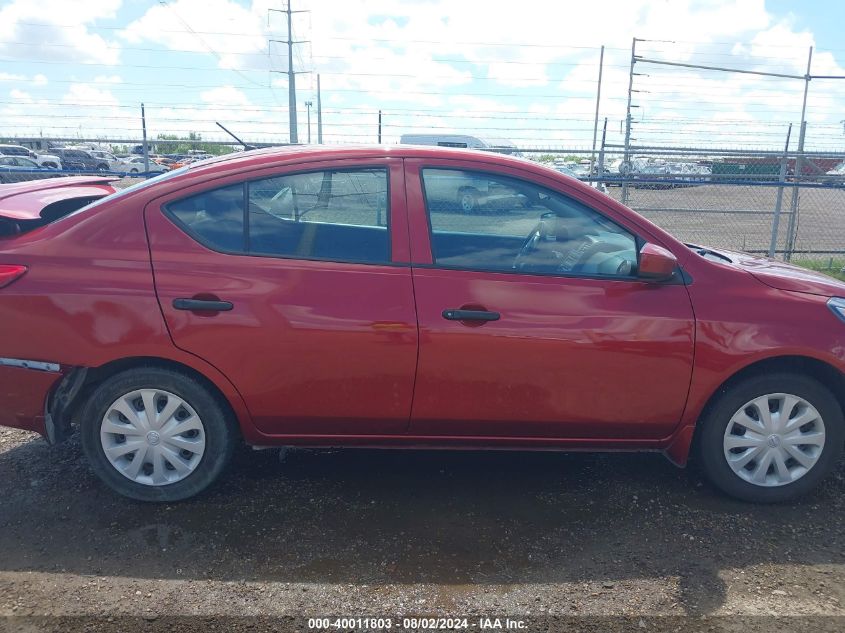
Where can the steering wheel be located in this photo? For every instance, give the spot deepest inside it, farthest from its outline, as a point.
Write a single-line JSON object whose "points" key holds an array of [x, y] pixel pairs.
{"points": [[530, 245]]}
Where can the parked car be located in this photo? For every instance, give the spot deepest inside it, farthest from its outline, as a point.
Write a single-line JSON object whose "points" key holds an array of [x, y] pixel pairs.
{"points": [[835, 175], [168, 325], [503, 146], [135, 165], [568, 171], [110, 159], [17, 168], [43, 160], [80, 159]]}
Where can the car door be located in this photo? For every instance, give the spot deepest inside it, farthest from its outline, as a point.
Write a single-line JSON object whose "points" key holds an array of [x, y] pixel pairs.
{"points": [[552, 336], [304, 301]]}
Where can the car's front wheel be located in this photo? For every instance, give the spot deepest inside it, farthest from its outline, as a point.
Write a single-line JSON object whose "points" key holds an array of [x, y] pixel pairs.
{"points": [[772, 437], [156, 434], [468, 199]]}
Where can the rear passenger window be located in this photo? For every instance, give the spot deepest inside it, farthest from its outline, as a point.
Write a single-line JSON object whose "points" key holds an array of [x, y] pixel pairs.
{"points": [[214, 218], [333, 215]]}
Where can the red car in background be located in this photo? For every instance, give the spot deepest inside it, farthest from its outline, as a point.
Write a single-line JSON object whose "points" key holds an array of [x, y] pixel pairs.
{"points": [[320, 296]]}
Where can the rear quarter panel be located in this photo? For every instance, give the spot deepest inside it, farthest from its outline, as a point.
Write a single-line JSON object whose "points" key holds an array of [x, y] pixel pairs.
{"points": [[88, 299]]}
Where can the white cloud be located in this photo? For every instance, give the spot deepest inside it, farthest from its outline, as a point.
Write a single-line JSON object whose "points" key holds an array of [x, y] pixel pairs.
{"points": [[56, 31], [225, 95], [527, 70], [235, 35]]}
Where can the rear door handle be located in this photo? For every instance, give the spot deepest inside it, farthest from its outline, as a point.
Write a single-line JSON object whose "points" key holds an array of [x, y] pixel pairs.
{"points": [[205, 305], [470, 315]]}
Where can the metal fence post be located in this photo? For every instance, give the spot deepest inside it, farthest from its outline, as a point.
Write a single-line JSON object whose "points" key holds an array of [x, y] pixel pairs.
{"points": [[596, 121], [796, 189], [626, 161], [779, 200], [600, 168], [799, 164]]}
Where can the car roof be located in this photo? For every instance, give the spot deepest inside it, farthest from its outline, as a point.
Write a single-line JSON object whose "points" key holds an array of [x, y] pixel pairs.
{"points": [[270, 156]]}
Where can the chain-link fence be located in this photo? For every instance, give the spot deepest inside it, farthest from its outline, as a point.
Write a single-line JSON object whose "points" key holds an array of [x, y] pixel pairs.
{"points": [[12, 175], [786, 204], [781, 204]]}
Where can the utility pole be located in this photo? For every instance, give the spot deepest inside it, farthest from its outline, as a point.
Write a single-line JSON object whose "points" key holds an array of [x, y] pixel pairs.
{"points": [[319, 113], [308, 105], [294, 135], [379, 127], [144, 140]]}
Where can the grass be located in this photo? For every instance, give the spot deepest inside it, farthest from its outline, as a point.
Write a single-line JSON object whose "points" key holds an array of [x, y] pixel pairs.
{"points": [[832, 267]]}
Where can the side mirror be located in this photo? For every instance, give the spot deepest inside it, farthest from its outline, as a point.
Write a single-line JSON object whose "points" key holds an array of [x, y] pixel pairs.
{"points": [[656, 263]]}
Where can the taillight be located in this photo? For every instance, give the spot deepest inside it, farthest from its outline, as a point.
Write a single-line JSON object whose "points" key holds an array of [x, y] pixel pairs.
{"points": [[10, 272]]}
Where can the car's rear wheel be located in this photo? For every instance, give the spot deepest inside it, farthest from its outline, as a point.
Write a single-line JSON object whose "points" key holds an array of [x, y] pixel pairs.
{"points": [[771, 437], [156, 434]]}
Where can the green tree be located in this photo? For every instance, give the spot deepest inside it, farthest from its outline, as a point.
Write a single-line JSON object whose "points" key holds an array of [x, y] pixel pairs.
{"points": [[193, 141]]}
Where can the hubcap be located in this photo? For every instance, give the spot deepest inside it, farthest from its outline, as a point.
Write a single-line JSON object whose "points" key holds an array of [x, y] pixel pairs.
{"points": [[152, 437], [774, 440]]}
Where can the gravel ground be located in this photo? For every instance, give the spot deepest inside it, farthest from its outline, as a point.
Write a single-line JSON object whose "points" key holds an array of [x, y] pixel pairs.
{"points": [[561, 541]]}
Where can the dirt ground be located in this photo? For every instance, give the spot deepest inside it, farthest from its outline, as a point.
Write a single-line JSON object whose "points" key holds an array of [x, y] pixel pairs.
{"points": [[558, 541]]}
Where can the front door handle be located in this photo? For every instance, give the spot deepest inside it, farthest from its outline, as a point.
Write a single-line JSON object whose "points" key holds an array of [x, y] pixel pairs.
{"points": [[205, 305], [470, 315]]}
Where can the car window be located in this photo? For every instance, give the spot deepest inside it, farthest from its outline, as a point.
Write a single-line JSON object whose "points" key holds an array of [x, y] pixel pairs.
{"points": [[333, 215], [483, 221], [7, 160], [339, 215], [13, 151], [215, 218]]}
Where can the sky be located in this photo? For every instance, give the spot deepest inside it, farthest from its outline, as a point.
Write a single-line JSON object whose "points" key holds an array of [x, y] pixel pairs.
{"points": [[524, 71]]}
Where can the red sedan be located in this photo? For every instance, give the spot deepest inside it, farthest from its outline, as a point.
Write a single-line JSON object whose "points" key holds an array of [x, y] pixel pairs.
{"points": [[408, 297]]}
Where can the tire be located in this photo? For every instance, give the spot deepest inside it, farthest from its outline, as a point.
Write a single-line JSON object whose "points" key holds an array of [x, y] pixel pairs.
{"points": [[210, 443], [785, 478], [468, 200], [133, 171], [50, 165], [102, 167]]}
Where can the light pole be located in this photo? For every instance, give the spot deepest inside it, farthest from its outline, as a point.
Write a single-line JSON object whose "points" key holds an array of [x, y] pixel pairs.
{"points": [[308, 105]]}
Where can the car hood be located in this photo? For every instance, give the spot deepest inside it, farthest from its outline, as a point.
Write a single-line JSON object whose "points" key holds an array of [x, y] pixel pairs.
{"points": [[783, 276], [26, 200]]}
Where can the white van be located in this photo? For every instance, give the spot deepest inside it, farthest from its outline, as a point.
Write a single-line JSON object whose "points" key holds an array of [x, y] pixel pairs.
{"points": [[500, 146]]}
